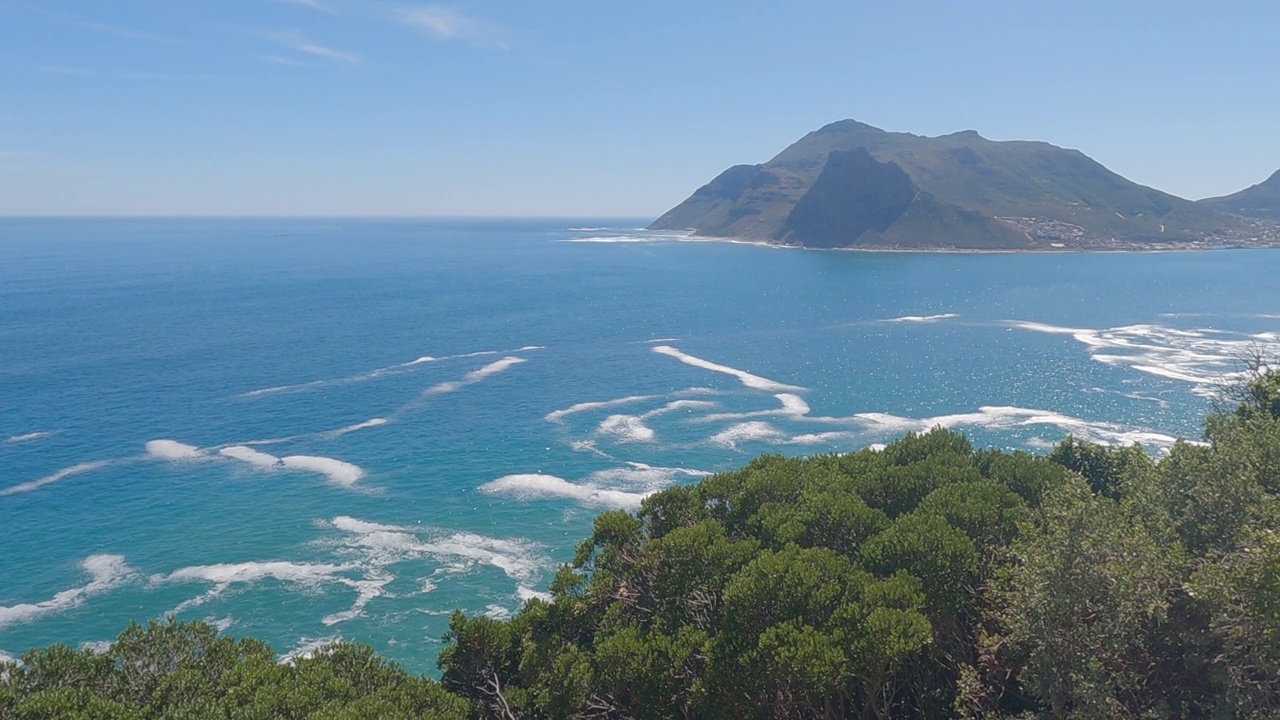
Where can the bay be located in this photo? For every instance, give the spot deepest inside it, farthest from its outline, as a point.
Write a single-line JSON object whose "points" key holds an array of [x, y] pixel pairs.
{"points": [[305, 429]]}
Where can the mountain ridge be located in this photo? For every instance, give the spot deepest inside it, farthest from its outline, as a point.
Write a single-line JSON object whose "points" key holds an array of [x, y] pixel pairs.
{"points": [[1257, 201], [1026, 194]]}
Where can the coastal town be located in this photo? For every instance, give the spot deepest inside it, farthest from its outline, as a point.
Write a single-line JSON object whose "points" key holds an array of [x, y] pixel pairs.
{"points": [[1058, 235]]}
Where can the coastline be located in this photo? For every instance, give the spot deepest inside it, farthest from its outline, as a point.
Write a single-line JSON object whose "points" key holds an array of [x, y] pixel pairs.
{"points": [[1193, 246]]}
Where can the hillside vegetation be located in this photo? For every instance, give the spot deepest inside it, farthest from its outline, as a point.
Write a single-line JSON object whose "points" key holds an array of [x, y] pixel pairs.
{"points": [[926, 580], [1010, 194], [1258, 201]]}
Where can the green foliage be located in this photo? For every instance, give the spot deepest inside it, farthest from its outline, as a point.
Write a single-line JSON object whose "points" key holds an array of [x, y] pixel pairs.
{"points": [[176, 670], [926, 580], [832, 586]]}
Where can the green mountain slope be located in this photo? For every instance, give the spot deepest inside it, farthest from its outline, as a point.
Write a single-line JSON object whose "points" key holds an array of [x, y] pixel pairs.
{"points": [[1259, 201], [1054, 194], [859, 201]]}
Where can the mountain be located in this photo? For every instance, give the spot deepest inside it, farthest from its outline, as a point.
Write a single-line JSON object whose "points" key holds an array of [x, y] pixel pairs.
{"points": [[1260, 201], [964, 191], [858, 200]]}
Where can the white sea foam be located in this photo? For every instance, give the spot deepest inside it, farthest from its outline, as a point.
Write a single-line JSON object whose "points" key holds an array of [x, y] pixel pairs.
{"points": [[474, 376], [367, 590], [396, 369], [675, 405], [307, 647], [337, 471], [251, 456], [1203, 357], [224, 575], [352, 525], [27, 437], [647, 237], [1046, 328], [173, 450], [869, 425], [754, 430], [526, 594], [519, 560], [285, 388], [1007, 418], [824, 438], [97, 647], [923, 318], [550, 486], [383, 545], [106, 572], [792, 406], [752, 381], [359, 377], [497, 612], [637, 475], [374, 422], [627, 429], [558, 415], [7, 658], [55, 477], [227, 574]]}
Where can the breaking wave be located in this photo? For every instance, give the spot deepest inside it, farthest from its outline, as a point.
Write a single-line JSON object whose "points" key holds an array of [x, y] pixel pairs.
{"points": [[621, 487], [627, 429], [251, 456], [533, 486], [337, 471], [1206, 358], [106, 572], [173, 450]]}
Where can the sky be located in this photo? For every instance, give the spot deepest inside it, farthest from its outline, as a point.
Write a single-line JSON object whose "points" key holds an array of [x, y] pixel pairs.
{"points": [[576, 108]]}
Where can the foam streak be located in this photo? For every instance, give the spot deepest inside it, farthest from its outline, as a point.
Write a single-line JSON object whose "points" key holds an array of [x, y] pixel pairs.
{"points": [[27, 437], [752, 381], [55, 477]]}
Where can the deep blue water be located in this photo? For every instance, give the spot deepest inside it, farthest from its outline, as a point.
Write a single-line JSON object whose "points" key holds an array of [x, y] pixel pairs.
{"points": [[210, 336]]}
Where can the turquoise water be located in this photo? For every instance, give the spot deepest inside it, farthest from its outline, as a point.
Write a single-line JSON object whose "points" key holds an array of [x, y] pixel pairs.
{"points": [[310, 429]]}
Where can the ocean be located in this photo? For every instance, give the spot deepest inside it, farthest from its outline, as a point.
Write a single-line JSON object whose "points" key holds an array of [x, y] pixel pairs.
{"points": [[311, 429]]}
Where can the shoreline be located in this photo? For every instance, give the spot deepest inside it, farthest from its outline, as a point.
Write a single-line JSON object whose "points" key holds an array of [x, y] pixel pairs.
{"points": [[693, 237]]}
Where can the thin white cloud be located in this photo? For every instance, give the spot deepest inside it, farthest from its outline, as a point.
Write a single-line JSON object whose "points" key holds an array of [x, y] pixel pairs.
{"points": [[313, 5], [447, 23], [302, 44], [319, 50]]}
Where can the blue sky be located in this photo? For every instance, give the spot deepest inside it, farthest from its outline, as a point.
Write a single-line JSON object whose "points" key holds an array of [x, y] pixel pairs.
{"points": [[566, 107]]}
